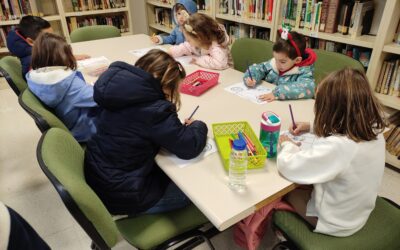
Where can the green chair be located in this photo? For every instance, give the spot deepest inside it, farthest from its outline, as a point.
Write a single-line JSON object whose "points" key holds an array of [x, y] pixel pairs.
{"points": [[95, 32], [11, 69], [250, 50], [328, 62], [41, 114], [382, 231], [62, 160]]}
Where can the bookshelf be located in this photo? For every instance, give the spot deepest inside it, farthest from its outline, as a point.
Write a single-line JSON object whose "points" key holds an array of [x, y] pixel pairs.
{"points": [[61, 14], [163, 22]]}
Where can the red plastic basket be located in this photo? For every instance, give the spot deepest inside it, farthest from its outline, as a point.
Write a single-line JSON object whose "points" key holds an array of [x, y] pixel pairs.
{"points": [[199, 82]]}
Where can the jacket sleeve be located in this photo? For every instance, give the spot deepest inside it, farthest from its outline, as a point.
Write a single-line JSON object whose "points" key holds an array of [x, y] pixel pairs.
{"points": [[171, 39], [302, 88], [321, 163], [216, 59], [186, 142], [258, 72], [84, 98], [182, 50]]}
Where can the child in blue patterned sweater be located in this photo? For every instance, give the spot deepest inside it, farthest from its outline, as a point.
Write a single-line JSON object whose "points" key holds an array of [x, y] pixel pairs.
{"points": [[291, 69]]}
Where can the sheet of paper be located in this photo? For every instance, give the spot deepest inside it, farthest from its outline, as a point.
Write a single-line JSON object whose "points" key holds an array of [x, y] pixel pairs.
{"points": [[93, 61], [142, 52], [251, 94], [306, 139], [93, 67], [184, 60], [210, 148]]}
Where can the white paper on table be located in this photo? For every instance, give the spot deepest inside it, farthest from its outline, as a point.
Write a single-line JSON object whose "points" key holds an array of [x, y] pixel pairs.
{"points": [[184, 59], [142, 52], [210, 148], [306, 139], [94, 66], [252, 94]]}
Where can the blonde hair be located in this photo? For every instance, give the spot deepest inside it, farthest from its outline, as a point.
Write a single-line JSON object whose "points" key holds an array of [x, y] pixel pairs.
{"points": [[204, 29], [165, 69], [345, 105]]}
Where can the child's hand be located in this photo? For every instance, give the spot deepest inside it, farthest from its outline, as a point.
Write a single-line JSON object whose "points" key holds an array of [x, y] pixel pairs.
{"points": [[284, 138], [154, 39], [188, 122], [250, 83], [81, 57], [301, 127], [267, 97]]}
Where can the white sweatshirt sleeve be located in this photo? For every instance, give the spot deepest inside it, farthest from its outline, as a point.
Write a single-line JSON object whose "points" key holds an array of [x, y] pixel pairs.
{"points": [[321, 163]]}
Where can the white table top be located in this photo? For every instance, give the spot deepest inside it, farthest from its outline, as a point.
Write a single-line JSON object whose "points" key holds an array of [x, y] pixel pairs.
{"points": [[205, 183]]}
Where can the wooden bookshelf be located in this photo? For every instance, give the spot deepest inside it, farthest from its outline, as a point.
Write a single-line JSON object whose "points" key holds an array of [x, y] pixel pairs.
{"points": [[244, 20], [392, 160], [153, 27], [393, 48], [57, 12], [160, 4], [159, 27]]}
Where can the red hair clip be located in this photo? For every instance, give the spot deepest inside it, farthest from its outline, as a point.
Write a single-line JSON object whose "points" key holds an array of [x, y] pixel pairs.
{"points": [[285, 35]]}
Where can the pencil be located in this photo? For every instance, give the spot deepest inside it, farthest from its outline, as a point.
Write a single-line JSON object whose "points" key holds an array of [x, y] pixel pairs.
{"points": [[194, 111], [291, 115], [248, 69], [154, 34]]}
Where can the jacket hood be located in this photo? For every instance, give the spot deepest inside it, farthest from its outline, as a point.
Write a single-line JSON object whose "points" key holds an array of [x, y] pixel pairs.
{"points": [[17, 44], [58, 90], [310, 59], [190, 6], [123, 85]]}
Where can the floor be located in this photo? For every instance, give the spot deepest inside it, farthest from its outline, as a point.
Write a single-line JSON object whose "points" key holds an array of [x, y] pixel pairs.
{"points": [[25, 188]]}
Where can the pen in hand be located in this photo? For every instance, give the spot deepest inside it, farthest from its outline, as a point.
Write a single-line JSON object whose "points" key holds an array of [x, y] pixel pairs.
{"points": [[291, 114], [190, 117]]}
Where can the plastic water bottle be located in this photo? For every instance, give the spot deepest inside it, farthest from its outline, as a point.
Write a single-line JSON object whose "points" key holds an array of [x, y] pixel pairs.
{"points": [[238, 165], [269, 132]]}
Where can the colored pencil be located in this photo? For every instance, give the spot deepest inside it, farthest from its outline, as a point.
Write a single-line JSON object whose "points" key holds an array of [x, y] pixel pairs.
{"points": [[291, 114], [194, 111], [248, 69]]}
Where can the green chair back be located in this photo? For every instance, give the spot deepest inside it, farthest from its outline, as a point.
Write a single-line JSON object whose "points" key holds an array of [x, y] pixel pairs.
{"points": [[250, 50], [10, 67], [41, 114], [62, 160], [95, 32], [381, 231], [328, 62]]}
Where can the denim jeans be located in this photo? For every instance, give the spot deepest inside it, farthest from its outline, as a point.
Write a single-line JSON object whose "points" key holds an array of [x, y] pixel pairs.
{"points": [[173, 199]]}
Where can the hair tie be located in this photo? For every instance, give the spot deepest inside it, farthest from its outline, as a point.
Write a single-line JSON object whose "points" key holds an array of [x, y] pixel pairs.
{"points": [[285, 35], [189, 29], [185, 15]]}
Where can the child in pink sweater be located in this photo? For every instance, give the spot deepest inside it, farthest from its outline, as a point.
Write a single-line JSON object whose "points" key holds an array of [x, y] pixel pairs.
{"points": [[207, 41]]}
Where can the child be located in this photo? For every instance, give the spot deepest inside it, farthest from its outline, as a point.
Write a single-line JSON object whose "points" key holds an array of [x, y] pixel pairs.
{"points": [[347, 160], [20, 40], [207, 40], [180, 13], [291, 69], [139, 117], [56, 82]]}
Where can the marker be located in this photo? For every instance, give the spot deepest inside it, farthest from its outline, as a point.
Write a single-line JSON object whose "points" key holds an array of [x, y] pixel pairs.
{"points": [[291, 114], [248, 69], [194, 111]]}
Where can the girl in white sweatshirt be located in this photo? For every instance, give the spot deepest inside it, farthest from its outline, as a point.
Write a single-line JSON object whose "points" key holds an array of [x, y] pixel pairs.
{"points": [[345, 164]]}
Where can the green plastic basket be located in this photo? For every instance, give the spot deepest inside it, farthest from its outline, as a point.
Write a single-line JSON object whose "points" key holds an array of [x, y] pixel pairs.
{"points": [[222, 132]]}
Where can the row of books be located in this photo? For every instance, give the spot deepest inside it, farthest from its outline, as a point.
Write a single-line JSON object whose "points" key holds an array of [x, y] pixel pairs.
{"points": [[361, 54], [389, 78], [119, 21], [392, 136], [15, 9], [85, 5], [235, 32], [203, 5], [258, 9], [343, 16], [163, 17]]}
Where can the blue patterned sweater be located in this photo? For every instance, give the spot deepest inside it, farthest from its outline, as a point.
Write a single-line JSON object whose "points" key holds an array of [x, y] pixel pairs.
{"points": [[297, 83]]}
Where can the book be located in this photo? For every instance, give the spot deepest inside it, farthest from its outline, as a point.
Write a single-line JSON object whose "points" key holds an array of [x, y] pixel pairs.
{"points": [[385, 84], [362, 19], [381, 77], [324, 15], [331, 23], [394, 75]]}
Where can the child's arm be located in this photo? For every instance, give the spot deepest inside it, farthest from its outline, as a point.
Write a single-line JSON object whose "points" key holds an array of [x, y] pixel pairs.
{"points": [[185, 141], [258, 72], [171, 39], [302, 88], [217, 59], [321, 163], [181, 50], [84, 95]]}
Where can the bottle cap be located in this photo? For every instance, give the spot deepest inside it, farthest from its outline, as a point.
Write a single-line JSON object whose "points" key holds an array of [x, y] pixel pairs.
{"points": [[273, 119], [239, 144]]}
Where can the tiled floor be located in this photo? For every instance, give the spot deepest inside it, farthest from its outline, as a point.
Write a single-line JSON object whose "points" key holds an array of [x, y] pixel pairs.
{"points": [[25, 188]]}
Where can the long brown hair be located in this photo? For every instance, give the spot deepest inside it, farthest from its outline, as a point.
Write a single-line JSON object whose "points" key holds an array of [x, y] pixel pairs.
{"points": [[203, 28], [345, 105], [165, 69], [52, 50]]}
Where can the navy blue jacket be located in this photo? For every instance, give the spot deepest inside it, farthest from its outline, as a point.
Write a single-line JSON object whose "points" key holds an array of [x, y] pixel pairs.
{"points": [[19, 47], [136, 120]]}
